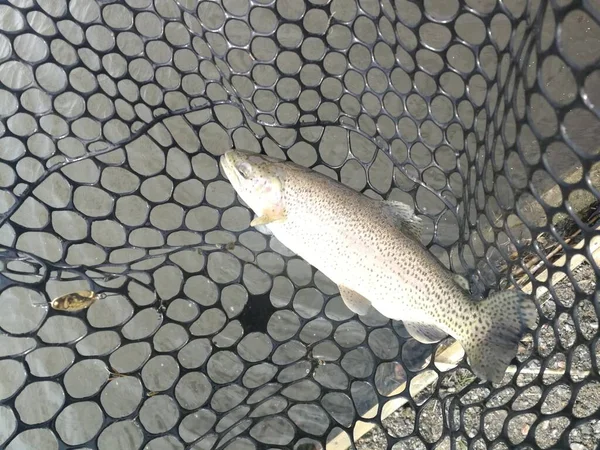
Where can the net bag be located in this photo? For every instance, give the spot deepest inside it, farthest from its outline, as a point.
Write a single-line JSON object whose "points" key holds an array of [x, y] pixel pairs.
{"points": [[207, 333]]}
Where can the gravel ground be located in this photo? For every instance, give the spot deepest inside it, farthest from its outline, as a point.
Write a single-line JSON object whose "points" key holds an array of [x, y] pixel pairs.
{"points": [[577, 381]]}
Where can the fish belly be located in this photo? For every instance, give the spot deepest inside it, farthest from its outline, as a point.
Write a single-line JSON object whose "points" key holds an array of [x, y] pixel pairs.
{"points": [[349, 256]]}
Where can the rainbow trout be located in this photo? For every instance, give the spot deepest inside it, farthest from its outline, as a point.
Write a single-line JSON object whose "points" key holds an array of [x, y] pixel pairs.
{"points": [[372, 250]]}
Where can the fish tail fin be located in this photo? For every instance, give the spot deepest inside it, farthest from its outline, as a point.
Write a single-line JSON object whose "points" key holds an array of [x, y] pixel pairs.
{"points": [[493, 340]]}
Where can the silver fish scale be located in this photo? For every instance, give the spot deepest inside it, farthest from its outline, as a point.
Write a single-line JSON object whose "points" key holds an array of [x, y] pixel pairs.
{"points": [[356, 245], [318, 220], [482, 115]]}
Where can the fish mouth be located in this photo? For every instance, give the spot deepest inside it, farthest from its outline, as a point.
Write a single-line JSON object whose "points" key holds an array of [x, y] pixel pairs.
{"points": [[227, 163]]}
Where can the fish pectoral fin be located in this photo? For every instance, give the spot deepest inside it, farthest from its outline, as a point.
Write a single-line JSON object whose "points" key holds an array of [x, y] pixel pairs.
{"points": [[354, 301], [263, 229], [404, 217], [424, 332], [268, 218]]}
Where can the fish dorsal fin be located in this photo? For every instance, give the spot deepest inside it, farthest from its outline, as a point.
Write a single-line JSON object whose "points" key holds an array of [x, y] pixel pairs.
{"points": [[354, 301], [462, 282], [404, 217], [425, 333]]}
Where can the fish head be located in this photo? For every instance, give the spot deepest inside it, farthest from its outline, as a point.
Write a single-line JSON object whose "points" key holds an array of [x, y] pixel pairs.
{"points": [[258, 179]]}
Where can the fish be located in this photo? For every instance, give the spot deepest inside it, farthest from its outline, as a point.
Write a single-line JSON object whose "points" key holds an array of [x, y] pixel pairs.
{"points": [[76, 301], [371, 249]]}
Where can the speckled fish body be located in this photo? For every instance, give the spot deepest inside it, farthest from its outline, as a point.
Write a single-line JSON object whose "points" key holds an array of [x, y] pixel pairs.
{"points": [[371, 250]]}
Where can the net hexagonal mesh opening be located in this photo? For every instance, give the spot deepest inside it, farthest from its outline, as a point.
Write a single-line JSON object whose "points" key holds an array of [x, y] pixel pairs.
{"points": [[482, 114]]}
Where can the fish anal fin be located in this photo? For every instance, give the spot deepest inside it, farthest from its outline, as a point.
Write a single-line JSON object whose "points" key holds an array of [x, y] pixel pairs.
{"points": [[354, 301], [404, 218], [425, 333], [462, 282]]}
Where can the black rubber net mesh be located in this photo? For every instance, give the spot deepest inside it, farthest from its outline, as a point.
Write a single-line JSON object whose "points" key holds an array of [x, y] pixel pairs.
{"points": [[483, 114]]}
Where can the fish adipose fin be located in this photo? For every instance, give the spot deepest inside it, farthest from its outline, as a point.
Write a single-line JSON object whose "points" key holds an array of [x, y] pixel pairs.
{"points": [[425, 333], [355, 302], [492, 340], [404, 218]]}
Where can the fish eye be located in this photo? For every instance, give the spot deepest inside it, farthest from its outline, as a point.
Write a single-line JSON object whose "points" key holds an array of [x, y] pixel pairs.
{"points": [[244, 169]]}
